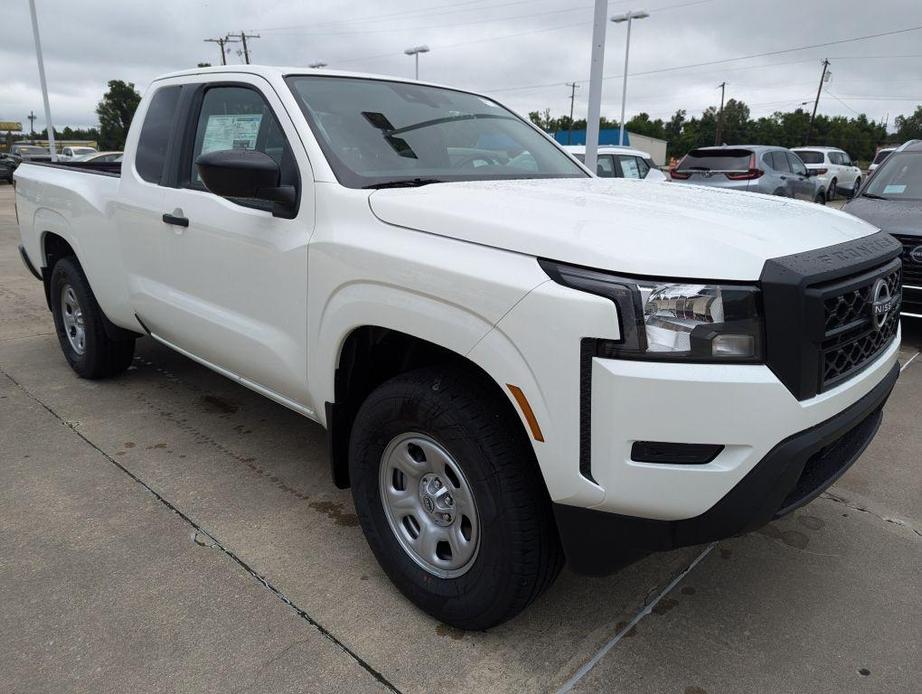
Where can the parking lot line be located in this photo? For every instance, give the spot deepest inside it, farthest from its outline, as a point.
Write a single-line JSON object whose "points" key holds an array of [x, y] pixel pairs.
{"points": [[643, 612], [908, 362]]}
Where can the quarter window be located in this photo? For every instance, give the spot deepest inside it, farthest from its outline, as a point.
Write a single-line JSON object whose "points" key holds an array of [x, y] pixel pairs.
{"points": [[155, 134]]}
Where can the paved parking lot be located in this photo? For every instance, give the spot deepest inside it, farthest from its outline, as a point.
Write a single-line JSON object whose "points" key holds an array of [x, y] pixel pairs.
{"points": [[172, 531]]}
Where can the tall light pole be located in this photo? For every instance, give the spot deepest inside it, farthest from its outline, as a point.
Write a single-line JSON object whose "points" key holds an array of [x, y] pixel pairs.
{"points": [[319, 64], [628, 17], [41, 77], [415, 51], [595, 83]]}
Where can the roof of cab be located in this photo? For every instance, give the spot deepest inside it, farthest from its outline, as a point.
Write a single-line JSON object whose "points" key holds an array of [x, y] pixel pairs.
{"points": [[608, 149], [275, 71]]}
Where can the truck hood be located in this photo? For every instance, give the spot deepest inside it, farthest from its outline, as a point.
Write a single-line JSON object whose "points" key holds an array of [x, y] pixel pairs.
{"points": [[627, 226], [893, 216]]}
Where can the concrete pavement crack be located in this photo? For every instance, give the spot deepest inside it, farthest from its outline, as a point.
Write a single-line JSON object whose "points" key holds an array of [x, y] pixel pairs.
{"points": [[326, 633], [863, 509]]}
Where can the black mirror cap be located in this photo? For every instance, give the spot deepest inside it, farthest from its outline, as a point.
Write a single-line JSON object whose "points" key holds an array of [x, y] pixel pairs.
{"points": [[238, 173]]}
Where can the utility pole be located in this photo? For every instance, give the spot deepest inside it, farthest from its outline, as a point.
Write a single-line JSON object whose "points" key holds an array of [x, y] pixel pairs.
{"points": [[243, 36], [32, 118], [817, 102], [221, 43], [573, 87], [720, 114]]}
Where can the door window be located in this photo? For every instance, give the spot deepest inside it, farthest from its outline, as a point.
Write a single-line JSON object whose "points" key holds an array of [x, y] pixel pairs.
{"points": [[239, 118], [797, 166], [629, 168], [605, 166], [155, 134], [779, 162]]}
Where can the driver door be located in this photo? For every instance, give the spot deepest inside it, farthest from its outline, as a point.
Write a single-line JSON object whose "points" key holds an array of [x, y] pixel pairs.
{"points": [[237, 274]]}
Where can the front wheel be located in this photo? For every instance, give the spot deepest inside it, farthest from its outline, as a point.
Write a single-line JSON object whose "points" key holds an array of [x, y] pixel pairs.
{"points": [[833, 189], [79, 323], [450, 498]]}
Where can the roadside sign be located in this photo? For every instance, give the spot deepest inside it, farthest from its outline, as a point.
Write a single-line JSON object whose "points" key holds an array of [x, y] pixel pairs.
{"points": [[10, 125]]}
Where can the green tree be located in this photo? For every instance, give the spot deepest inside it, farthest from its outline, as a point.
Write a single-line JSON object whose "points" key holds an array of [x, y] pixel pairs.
{"points": [[909, 127], [115, 112]]}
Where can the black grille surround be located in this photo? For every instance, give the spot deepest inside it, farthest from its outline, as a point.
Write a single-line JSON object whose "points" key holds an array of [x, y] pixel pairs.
{"points": [[819, 327]]}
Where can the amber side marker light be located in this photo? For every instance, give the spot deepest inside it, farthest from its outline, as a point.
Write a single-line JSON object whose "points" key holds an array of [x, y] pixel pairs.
{"points": [[526, 411]]}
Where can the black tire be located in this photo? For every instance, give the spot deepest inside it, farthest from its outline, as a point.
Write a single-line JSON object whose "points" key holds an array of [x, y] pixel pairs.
{"points": [[101, 356], [833, 190], [820, 198], [519, 552], [855, 188]]}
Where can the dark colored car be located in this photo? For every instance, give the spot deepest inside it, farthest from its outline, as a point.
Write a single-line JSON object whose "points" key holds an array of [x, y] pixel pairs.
{"points": [[8, 164], [892, 200]]}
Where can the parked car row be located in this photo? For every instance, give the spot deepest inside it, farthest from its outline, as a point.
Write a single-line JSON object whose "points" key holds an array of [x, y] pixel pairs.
{"points": [[752, 168]]}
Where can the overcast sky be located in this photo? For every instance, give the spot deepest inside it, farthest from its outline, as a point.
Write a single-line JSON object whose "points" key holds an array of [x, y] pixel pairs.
{"points": [[519, 51]]}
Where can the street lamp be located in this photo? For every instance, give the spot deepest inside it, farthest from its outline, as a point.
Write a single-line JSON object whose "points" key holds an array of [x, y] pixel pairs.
{"points": [[318, 64], [415, 51], [628, 17]]}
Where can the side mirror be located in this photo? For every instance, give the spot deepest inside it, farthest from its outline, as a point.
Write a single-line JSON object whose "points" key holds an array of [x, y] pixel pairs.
{"points": [[246, 173]]}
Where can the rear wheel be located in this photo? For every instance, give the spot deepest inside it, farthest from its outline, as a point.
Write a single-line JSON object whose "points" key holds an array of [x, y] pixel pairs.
{"points": [[833, 189], [820, 198], [450, 498], [79, 323]]}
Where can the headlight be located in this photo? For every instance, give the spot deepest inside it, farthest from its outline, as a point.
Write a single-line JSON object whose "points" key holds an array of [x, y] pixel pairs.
{"points": [[671, 320]]}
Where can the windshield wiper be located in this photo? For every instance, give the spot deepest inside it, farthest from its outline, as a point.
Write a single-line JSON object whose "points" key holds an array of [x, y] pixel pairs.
{"points": [[874, 196], [405, 183]]}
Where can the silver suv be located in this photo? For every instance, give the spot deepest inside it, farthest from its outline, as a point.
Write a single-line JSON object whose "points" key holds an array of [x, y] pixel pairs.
{"points": [[752, 168]]}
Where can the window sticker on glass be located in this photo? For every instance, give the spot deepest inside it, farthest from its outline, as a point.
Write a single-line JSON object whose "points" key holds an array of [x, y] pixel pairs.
{"points": [[894, 189], [231, 132]]}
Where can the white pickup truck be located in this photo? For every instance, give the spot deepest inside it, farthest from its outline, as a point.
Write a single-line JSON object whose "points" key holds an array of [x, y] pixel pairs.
{"points": [[518, 364]]}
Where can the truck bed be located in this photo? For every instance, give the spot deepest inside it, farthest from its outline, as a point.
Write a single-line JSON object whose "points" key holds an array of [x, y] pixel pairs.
{"points": [[107, 168]]}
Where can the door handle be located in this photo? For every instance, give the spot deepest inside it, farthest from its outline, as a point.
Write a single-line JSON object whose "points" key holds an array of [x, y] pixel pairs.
{"points": [[784, 178], [175, 221]]}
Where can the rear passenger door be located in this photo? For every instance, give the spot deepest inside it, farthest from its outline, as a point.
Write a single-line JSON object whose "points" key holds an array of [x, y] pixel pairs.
{"points": [[804, 186], [237, 274]]}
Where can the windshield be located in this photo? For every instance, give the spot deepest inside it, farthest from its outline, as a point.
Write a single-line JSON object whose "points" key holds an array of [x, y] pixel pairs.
{"points": [[716, 160], [375, 132], [898, 178], [810, 157], [881, 155]]}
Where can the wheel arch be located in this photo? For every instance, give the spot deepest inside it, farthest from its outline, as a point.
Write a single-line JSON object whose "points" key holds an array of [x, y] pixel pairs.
{"points": [[369, 355]]}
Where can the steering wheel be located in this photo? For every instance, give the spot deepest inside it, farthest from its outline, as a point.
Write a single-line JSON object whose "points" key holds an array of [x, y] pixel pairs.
{"points": [[469, 162]]}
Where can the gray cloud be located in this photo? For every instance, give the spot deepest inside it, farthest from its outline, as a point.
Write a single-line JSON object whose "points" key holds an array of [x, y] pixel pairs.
{"points": [[495, 46]]}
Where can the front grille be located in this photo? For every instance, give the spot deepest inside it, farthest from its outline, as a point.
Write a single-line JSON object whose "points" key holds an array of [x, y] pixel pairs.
{"points": [[912, 269], [852, 339], [820, 327]]}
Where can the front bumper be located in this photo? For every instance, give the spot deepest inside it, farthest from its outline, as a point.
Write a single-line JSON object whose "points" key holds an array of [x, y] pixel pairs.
{"points": [[791, 474]]}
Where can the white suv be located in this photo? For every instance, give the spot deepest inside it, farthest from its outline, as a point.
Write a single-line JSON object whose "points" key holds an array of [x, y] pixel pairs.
{"points": [[834, 168]]}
